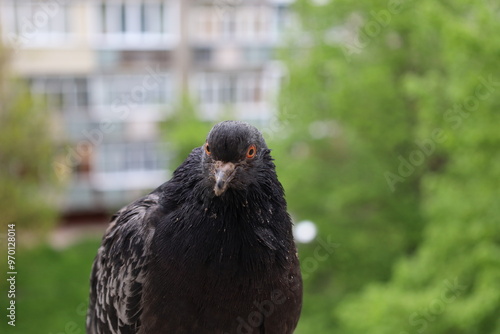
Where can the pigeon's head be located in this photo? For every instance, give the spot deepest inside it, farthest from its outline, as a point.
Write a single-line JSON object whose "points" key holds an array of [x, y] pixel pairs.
{"points": [[234, 156]]}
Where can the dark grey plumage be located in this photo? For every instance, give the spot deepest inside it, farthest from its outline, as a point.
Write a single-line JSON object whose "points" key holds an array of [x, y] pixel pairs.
{"points": [[210, 251]]}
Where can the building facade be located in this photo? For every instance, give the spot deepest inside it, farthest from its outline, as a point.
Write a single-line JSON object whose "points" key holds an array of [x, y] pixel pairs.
{"points": [[111, 71]]}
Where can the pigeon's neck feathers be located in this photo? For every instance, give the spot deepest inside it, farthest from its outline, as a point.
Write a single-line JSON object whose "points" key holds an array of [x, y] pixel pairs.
{"points": [[232, 228]]}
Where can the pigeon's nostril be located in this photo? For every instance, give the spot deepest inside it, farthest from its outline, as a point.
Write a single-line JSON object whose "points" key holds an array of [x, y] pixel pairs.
{"points": [[220, 184], [220, 187]]}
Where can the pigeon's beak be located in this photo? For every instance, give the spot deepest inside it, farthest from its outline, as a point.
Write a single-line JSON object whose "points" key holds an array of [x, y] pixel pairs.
{"points": [[224, 172]]}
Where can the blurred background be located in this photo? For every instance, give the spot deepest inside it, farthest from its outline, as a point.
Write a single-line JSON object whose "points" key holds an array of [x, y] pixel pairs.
{"points": [[383, 117]]}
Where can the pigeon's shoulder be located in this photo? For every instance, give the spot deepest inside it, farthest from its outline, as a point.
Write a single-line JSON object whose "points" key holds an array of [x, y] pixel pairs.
{"points": [[184, 179], [120, 268], [122, 262]]}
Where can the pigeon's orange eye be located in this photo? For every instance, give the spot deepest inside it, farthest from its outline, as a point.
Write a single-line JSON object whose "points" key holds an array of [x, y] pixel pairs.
{"points": [[207, 149], [252, 151]]}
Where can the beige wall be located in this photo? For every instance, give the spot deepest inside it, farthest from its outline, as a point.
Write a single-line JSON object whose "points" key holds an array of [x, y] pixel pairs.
{"points": [[73, 57], [57, 61]]}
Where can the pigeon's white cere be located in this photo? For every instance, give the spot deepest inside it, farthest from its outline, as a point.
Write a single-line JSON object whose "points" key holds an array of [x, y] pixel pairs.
{"points": [[305, 231]]}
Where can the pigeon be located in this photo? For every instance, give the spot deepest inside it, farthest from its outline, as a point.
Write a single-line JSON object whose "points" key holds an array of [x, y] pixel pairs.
{"points": [[211, 251]]}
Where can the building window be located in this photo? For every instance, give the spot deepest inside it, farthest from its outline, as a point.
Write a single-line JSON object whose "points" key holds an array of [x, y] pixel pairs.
{"points": [[244, 95], [281, 18], [132, 157], [249, 89], [239, 23], [202, 55], [135, 22], [153, 18], [62, 93], [132, 90], [77, 95], [130, 165], [36, 23], [257, 55], [229, 88], [227, 25]]}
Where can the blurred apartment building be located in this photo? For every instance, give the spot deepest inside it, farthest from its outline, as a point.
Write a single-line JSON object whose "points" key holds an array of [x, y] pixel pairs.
{"points": [[111, 71]]}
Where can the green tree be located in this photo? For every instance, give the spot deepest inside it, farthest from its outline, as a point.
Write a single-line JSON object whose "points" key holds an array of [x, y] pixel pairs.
{"points": [[26, 155], [449, 285], [388, 166], [184, 131]]}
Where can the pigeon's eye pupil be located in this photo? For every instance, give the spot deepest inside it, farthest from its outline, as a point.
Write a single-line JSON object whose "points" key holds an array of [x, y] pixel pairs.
{"points": [[207, 149], [251, 152]]}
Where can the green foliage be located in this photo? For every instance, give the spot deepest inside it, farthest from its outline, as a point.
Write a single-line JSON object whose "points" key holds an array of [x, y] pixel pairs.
{"points": [[26, 155], [52, 289], [393, 151], [184, 131]]}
